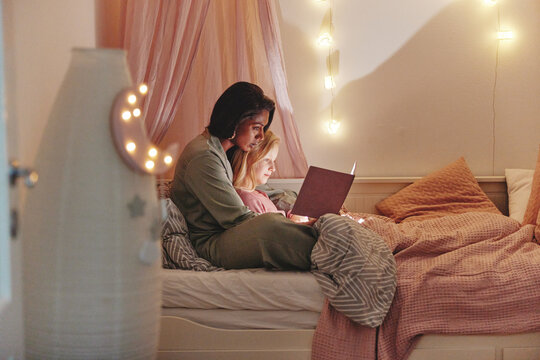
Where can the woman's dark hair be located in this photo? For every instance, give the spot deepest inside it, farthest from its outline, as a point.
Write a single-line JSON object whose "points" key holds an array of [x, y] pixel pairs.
{"points": [[240, 100]]}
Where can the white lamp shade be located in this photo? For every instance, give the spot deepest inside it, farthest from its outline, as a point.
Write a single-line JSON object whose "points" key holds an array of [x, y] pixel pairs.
{"points": [[87, 294]]}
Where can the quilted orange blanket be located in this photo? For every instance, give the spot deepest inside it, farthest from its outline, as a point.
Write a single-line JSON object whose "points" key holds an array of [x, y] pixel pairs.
{"points": [[474, 273]]}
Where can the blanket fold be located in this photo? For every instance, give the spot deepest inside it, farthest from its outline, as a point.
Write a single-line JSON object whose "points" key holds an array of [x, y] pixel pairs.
{"points": [[355, 269], [473, 273]]}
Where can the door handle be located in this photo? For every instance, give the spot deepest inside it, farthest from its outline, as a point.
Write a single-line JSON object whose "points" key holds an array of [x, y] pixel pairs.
{"points": [[29, 176]]}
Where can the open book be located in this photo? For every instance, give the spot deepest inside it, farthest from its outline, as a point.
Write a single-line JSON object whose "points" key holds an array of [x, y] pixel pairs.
{"points": [[323, 191]]}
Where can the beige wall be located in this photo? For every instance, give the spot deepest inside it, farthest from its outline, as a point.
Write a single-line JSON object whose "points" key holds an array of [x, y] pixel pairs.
{"points": [[39, 37], [415, 80], [415, 84]]}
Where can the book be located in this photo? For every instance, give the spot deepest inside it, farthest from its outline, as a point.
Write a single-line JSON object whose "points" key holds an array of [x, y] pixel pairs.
{"points": [[323, 191]]}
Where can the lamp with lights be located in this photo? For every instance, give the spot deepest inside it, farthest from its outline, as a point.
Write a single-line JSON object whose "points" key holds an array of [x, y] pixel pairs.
{"points": [[91, 244]]}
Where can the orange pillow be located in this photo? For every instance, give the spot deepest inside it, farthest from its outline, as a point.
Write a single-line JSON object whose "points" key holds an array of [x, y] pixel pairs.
{"points": [[450, 190], [533, 206]]}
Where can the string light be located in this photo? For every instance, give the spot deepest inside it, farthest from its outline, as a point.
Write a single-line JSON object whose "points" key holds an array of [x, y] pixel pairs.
{"points": [[505, 35], [329, 82], [333, 126], [501, 35], [325, 39]]}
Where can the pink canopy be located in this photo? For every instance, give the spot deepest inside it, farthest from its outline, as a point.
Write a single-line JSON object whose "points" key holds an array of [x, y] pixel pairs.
{"points": [[190, 51]]}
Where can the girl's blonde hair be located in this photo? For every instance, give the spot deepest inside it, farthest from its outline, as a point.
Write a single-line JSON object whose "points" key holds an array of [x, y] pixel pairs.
{"points": [[243, 162]]}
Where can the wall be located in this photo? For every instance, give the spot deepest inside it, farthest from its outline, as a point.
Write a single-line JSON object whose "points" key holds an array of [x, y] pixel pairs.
{"points": [[415, 80], [418, 84], [41, 35], [37, 38]]}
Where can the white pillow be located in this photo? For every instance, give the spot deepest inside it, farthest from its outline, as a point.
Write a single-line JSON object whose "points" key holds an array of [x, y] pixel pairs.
{"points": [[519, 185]]}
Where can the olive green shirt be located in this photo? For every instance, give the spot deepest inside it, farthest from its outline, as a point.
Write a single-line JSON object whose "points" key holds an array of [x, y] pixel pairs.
{"points": [[203, 191]]}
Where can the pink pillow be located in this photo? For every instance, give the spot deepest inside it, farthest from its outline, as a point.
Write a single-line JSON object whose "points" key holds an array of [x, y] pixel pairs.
{"points": [[533, 206], [450, 190]]}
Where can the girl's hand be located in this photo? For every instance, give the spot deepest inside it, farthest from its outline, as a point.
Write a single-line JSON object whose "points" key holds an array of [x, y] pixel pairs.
{"points": [[304, 220]]}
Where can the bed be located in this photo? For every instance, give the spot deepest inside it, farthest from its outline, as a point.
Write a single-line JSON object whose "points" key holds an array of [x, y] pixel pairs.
{"points": [[201, 327]]}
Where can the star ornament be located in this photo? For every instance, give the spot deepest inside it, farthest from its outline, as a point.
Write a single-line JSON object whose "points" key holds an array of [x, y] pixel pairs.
{"points": [[136, 207]]}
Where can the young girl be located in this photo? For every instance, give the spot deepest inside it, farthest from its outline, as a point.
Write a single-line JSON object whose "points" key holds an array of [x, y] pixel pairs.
{"points": [[253, 168]]}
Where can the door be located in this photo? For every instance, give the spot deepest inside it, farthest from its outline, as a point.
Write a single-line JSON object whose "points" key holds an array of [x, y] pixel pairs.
{"points": [[11, 323]]}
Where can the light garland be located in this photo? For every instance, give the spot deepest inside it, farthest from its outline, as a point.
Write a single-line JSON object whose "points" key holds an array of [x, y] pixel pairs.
{"points": [[501, 35], [326, 39], [505, 35]]}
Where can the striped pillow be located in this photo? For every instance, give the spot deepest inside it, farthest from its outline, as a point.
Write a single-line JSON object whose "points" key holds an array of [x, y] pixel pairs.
{"points": [[177, 250]]}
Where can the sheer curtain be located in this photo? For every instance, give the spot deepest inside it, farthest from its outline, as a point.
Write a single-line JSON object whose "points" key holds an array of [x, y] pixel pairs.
{"points": [[190, 51], [295, 163], [161, 39]]}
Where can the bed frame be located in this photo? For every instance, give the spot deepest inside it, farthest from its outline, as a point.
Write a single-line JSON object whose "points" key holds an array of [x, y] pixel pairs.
{"points": [[187, 340]]}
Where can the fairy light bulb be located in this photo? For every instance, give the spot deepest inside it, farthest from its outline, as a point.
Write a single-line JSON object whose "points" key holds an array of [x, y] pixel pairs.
{"points": [[152, 152], [333, 126], [329, 82], [325, 39], [143, 89], [126, 115], [130, 146], [132, 99], [149, 164], [168, 159], [505, 35], [136, 112]]}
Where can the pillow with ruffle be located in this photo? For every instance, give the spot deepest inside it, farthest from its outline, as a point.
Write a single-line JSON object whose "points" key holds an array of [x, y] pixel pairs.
{"points": [[519, 185], [450, 190], [533, 205]]}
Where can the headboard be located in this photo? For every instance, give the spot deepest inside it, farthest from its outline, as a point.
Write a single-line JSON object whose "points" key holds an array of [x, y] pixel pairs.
{"points": [[368, 191]]}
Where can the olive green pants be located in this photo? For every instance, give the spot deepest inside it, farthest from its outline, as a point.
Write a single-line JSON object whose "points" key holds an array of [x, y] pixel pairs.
{"points": [[269, 240]]}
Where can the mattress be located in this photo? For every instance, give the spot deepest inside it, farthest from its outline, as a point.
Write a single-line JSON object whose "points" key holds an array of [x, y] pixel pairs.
{"points": [[247, 319], [247, 289]]}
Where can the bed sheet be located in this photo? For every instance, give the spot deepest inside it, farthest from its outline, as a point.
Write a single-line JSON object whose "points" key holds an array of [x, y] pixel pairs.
{"points": [[248, 289]]}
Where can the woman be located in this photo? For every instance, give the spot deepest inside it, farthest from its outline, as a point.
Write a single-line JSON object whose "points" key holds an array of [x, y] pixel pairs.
{"points": [[222, 229]]}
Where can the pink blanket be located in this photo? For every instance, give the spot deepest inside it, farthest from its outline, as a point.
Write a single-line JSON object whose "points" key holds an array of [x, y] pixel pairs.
{"points": [[474, 273]]}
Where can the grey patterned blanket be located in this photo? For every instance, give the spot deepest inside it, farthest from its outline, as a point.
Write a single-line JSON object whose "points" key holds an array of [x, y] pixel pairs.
{"points": [[355, 269]]}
